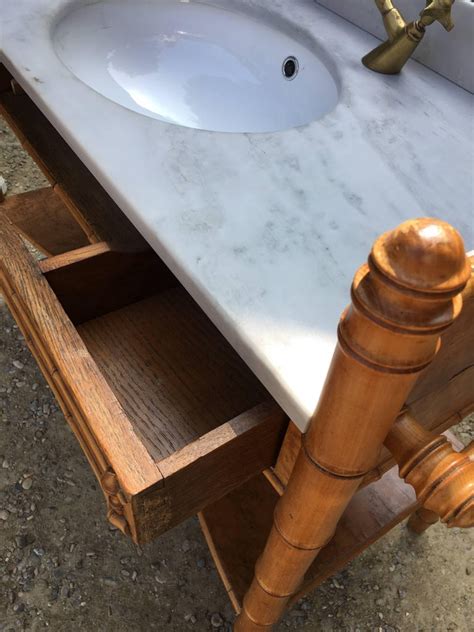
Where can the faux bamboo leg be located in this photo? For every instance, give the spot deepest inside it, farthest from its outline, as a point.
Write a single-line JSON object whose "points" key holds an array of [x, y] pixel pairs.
{"points": [[401, 301], [421, 520]]}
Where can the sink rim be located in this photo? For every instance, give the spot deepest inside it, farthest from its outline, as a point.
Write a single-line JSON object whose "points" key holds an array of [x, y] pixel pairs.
{"points": [[268, 15]]}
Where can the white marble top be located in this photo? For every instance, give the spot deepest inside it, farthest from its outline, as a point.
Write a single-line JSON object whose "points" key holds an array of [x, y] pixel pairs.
{"points": [[266, 230]]}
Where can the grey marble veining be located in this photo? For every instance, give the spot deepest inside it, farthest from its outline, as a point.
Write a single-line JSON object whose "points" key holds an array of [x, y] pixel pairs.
{"points": [[267, 230]]}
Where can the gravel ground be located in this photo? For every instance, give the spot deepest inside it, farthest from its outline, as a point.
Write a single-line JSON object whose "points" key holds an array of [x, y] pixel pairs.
{"points": [[62, 567]]}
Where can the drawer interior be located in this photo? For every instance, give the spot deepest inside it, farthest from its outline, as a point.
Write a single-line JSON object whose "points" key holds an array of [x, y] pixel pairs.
{"points": [[173, 373], [175, 376]]}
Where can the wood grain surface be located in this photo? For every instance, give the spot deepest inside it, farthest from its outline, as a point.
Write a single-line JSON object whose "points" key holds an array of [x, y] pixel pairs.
{"points": [[174, 374], [94, 210], [43, 219]]}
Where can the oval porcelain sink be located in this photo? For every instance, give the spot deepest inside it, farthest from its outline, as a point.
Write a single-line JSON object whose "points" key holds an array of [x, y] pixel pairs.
{"points": [[196, 65]]}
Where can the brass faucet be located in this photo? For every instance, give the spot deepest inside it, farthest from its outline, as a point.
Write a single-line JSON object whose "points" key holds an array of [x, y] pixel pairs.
{"points": [[403, 37]]}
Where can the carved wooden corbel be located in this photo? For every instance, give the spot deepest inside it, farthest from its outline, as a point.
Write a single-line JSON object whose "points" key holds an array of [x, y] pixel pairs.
{"points": [[116, 501]]}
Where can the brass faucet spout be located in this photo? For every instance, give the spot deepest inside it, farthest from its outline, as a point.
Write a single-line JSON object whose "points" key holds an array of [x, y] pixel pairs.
{"points": [[393, 20], [403, 38]]}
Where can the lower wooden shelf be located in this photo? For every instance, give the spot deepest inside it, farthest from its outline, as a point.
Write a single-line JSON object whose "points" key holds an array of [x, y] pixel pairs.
{"points": [[236, 528]]}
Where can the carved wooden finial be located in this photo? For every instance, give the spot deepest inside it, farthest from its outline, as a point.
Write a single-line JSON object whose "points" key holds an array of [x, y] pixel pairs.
{"points": [[423, 255], [410, 285]]}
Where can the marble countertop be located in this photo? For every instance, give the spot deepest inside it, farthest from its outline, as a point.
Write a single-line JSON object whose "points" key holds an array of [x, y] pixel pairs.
{"points": [[266, 230]]}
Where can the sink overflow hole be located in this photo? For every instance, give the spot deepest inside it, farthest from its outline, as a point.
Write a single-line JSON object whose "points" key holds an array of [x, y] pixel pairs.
{"points": [[290, 68]]}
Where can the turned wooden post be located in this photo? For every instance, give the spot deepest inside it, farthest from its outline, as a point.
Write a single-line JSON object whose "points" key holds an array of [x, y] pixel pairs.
{"points": [[442, 478], [402, 299]]}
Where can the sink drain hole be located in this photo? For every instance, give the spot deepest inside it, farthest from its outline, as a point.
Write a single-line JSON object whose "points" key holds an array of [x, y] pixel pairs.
{"points": [[290, 68]]}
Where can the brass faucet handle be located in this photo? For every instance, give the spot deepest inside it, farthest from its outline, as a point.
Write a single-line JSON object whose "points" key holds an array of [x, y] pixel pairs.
{"points": [[438, 11]]}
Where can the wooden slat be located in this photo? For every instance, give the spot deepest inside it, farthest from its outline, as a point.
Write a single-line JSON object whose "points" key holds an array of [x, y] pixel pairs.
{"points": [[287, 458], [44, 221], [95, 211], [215, 554], [449, 404], [23, 283], [94, 280], [237, 526], [456, 353], [67, 261]]}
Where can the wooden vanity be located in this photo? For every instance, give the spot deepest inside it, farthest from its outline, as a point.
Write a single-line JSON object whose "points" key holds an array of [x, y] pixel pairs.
{"points": [[174, 423]]}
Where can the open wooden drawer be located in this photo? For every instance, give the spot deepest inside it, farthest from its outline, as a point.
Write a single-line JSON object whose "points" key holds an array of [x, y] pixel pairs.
{"points": [[168, 415]]}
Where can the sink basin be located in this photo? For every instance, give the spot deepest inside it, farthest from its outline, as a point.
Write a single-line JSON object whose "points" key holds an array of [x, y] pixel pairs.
{"points": [[197, 65]]}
